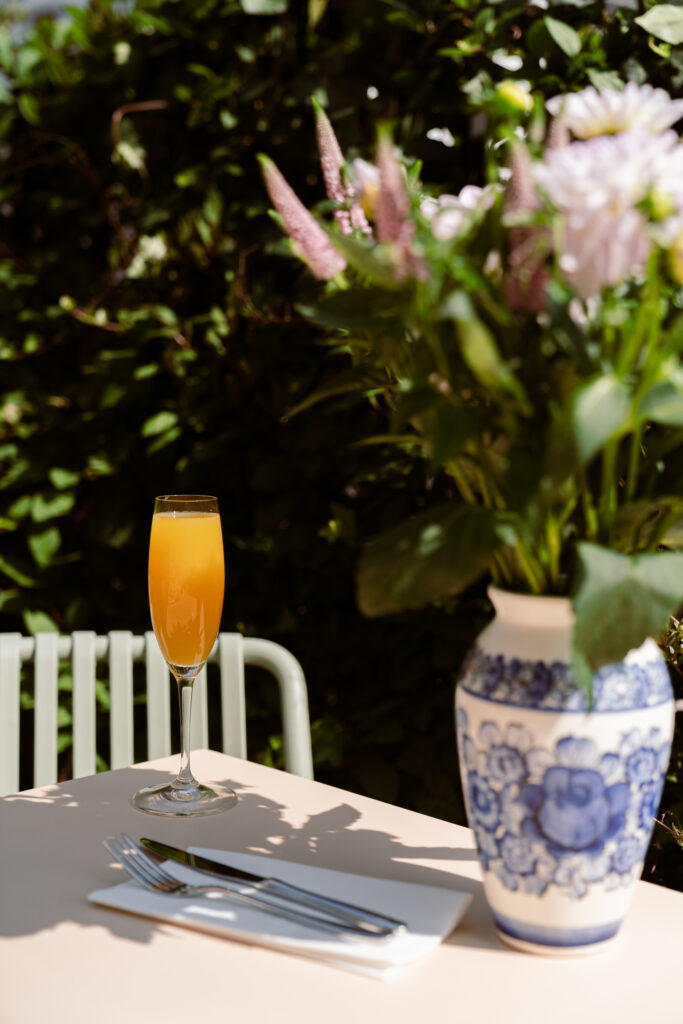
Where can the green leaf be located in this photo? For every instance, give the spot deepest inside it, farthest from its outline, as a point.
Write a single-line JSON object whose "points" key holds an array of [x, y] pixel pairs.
{"points": [[600, 413], [43, 509], [638, 525], [64, 717], [366, 258], [605, 79], [39, 622], [621, 600], [64, 741], [9, 600], [228, 119], [264, 6], [44, 545], [16, 572], [186, 178], [316, 9], [99, 465], [446, 427], [159, 423], [204, 231], [29, 108], [663, 403], [436, 554], [28, 57], [6, 49], [357, 309], [102, 695], [568, 40], [360, 378], [664, 21], [213, 206], [63, 478], [480, 352], [162, 440]]}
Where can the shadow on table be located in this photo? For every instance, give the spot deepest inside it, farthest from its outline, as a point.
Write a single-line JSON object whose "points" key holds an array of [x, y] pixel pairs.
{"points": [[51, 853]]}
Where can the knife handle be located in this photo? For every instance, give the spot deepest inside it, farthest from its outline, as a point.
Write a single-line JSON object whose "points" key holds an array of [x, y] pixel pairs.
{"points": [[367, 920], [256, 899]]}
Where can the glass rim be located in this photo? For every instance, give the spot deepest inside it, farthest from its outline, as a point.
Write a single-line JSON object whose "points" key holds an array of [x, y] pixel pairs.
{"points": [[186, 497]]}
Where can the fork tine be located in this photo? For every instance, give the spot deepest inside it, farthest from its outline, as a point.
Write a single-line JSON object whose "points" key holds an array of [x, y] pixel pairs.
{"points": [[134, 865], [143, 860], [125, 862]]}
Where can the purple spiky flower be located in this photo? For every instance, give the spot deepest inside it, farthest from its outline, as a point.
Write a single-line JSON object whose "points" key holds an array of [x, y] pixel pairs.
{"points": [[393, 205], [332, 162], [526, 279], [558, 135], [392, 211], [310, 240]]}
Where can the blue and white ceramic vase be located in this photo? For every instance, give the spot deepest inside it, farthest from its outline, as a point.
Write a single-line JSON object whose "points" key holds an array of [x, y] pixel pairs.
{"points": [[561, 798]]}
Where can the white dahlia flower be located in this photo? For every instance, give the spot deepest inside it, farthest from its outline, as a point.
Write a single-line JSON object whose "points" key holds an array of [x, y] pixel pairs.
{"points": [[596, 187], [591, 112]]}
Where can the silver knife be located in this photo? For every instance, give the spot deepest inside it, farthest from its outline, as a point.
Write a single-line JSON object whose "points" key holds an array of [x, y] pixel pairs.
{"points": [[368, 920]]}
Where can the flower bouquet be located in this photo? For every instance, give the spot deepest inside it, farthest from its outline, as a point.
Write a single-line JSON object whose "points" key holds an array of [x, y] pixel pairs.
{"points": [[524, 337]]}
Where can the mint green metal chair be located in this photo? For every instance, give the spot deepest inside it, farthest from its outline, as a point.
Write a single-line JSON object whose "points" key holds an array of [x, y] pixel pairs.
{"points": [[121, 649]]}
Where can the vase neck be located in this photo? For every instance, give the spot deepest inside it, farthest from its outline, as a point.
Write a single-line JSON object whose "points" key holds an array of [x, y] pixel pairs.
{"points": [[540, 612]]}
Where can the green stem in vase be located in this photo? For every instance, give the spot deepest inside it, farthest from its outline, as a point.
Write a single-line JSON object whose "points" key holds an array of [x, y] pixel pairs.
{"points": [[633, 462]]}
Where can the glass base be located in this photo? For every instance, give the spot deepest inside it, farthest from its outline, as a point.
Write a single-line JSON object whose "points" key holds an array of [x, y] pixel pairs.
{"points": [[171, 801]]}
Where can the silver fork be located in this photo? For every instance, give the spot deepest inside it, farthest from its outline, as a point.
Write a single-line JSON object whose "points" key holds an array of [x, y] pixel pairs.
{"points": [[150, 875]]}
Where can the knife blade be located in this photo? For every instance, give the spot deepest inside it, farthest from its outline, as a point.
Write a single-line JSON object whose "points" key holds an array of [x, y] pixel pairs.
{"points": [[369, 920]]}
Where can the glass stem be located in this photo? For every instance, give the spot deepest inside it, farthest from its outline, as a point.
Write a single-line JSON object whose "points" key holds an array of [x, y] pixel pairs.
{"points": [[185, 779]]}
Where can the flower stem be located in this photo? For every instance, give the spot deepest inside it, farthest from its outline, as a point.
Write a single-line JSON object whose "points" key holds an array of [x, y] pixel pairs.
{"points": [[608, 492], [461, 482], [633, 462]]}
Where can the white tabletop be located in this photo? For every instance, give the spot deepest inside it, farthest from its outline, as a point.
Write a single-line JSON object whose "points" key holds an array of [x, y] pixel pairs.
{"points": [[65, 960]]}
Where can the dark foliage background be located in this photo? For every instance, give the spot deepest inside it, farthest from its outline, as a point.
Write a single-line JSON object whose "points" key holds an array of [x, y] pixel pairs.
{"points": [[150, 344]]}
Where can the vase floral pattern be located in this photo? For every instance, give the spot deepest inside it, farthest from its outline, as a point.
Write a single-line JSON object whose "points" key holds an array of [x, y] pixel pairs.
{"points": [[572, 817], [561, 792]]}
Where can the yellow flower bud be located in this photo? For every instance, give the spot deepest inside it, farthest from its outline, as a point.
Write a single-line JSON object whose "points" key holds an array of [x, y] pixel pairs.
{"points": [[514, 95], [676, 258], [661, 205], [368, 198]]}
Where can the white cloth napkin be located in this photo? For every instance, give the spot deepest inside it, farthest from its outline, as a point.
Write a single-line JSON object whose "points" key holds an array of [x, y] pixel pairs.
{"points": [[430, 913]]}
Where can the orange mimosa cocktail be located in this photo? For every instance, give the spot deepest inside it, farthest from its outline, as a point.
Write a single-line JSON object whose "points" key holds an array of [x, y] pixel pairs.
{"points": [[186, 584]]}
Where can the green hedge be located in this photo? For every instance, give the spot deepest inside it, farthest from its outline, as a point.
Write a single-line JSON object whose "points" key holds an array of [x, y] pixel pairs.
{"points": [[149, 339]]}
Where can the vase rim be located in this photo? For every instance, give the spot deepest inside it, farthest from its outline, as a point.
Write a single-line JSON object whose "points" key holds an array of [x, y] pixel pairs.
{"points": [[547, 610]]}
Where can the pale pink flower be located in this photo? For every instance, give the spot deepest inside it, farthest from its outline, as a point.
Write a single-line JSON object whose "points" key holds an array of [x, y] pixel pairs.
{"points": [[596, 187], [308, 237], [450, 214], [592, 112], [365, 178]]}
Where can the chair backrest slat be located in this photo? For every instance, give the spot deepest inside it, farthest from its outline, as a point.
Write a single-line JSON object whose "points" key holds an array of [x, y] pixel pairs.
{"points": [[10, 675], [158, 700], [233, 701], [121, 649], [121, 695], [294, 699], [83, 670], [45, 716], [199, 721]]}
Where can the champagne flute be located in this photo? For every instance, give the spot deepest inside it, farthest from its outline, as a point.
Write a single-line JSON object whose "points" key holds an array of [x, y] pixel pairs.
{"points": [[186, 586]]}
